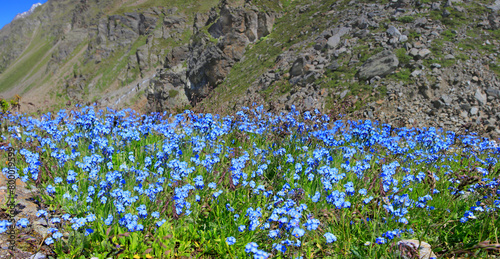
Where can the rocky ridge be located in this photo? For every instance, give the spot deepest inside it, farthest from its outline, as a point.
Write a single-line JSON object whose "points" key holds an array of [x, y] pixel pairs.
{"points": [[405, 62], [414, 64], [219, 41]]}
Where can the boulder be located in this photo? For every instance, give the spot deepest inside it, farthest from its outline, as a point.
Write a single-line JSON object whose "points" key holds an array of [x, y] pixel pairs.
{"points": [[265, 25], [333, 41], [333, 66], [380, 64], [493, 92], [410, 246], [337, 33], [298, 67], [393, 31], [423, 53], [480, 97]]}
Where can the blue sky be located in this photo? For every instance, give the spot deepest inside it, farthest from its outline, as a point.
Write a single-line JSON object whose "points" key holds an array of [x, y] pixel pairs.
{"points": [[9, 9]]}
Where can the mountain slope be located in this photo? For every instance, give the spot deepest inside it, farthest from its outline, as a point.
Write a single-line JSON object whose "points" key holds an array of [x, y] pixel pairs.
{"points": [[78, 51], [408, 63]]}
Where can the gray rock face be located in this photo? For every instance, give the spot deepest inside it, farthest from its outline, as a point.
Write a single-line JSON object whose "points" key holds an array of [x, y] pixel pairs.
{"points": [[495, 6], [206, 69], [210, 62], [143, 57], [118, 31], [166, 91], [380, 64]]}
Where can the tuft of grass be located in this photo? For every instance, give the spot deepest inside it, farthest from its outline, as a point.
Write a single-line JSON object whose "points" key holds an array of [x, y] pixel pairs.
{"points": [[404, 59], [406, 19], [173, 93]]}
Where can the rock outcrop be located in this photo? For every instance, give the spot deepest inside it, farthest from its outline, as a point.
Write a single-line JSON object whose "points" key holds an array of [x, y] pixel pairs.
{"points": [[408, 63], [212, 55], [219, 42], [381, 64]]}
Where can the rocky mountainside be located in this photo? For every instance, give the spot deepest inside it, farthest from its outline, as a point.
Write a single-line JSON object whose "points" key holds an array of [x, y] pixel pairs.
{"points": [[405, 62]]}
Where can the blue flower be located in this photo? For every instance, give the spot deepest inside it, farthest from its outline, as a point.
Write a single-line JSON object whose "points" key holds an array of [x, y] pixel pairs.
{"points": [[330, 238], [58, 180], [41, 213], [251, 247], [316, 197], [90, 218], [22, 223], [312, 224], [216, 194], [4, 225], [142, 212], [108, 220], [380, 240], [49, 241], [57, 235], [88, 231], [259, 254], [273, 233], [230, 241], [298, 232], [160, 223], [241, 228], [50, 189]]}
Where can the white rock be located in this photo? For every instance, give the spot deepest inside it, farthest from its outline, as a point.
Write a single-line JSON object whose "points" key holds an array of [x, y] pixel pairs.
{"points": [[423, 248], [423, 53], [416, 73], [480, 97], [393, 31], [474, 110]]}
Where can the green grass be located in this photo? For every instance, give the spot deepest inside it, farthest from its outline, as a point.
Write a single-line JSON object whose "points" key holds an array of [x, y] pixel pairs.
{"points": [[496, 68], [406, 19], [403, 58], [173, 93], [33, 60], [403, 75]]}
